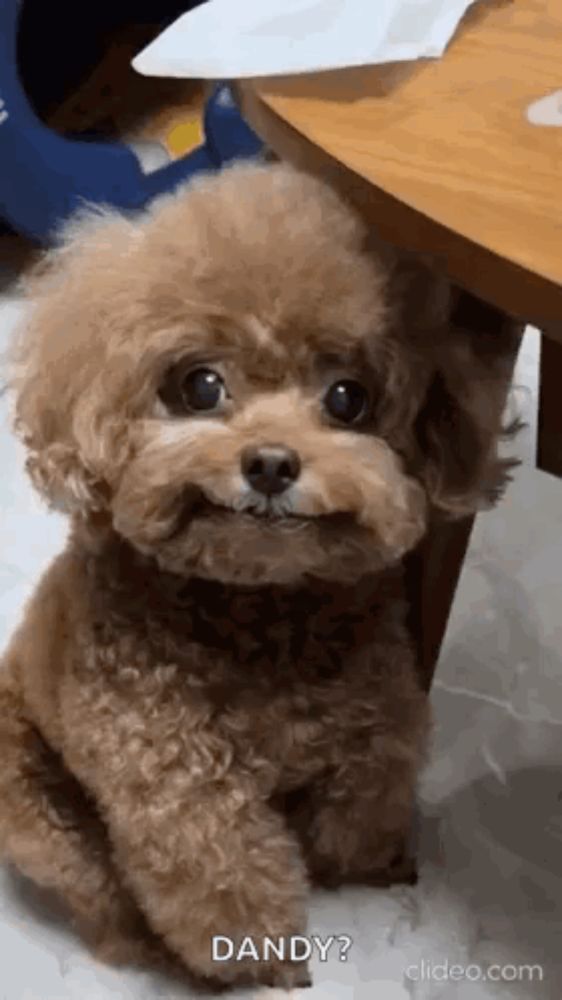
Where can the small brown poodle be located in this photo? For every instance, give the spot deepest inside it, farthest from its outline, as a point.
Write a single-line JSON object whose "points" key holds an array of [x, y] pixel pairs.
{"points": [[249, 410]]}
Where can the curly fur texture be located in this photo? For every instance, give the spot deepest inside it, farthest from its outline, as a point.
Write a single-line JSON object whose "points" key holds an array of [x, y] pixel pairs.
{"points": [[212, 700]]}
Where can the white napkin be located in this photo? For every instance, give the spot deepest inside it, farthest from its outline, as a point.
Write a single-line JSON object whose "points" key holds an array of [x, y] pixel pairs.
{"points": [[227, 39]]}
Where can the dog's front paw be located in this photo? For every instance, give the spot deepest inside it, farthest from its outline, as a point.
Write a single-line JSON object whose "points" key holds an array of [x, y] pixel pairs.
{"points": [[278, 974], [286, 975]]}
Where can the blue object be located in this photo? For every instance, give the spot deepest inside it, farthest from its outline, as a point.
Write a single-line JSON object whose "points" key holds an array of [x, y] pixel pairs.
{"points": [[227, 136], [45, 177]]}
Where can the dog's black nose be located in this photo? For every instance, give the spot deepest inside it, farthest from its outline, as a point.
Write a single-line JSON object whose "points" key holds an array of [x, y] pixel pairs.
{"points": [[271, 468]]}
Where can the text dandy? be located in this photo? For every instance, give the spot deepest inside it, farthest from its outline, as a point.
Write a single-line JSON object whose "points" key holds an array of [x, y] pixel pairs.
{"points": [[296, 948]]}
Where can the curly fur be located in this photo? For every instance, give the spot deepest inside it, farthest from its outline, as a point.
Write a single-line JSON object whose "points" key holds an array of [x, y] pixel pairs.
{"points": [[211, 703]]}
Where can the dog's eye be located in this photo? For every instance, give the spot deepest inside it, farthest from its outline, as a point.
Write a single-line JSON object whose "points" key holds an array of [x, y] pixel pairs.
{"points": [[195, 390], [346, 401], [203, 389]]}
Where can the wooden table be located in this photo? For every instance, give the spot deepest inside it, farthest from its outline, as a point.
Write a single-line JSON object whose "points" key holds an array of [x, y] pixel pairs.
{"points": [[441, 157]]}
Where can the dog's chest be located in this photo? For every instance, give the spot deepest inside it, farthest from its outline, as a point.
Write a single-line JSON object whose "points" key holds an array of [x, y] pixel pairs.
{"points": [[271, 633], [276, 669], [279, 675], [291, 731]]}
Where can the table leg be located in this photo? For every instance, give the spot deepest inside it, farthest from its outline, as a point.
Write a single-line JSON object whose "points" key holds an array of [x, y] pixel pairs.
{"points": [[433, 573], [433, 570], [549, 438]]}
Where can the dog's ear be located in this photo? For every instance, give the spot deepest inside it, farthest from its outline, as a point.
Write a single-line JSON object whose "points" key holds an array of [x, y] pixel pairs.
{"points": [[57, 371], [464, 352], [59, 475], [44, 420], [460, 424]]}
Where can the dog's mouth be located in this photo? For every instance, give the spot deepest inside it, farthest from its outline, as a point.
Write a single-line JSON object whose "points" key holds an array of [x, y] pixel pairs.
{"points": [[268, 514]]}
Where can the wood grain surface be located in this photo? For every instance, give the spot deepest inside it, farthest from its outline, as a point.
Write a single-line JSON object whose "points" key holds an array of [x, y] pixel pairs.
{"points": [[454, 164]]}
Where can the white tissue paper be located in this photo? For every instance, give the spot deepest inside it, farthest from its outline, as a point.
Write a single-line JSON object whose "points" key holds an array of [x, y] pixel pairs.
{"points": [[229, 39]]}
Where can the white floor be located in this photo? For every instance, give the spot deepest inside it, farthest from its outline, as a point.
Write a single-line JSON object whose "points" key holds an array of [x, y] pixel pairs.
{"points": [[491, 828]]}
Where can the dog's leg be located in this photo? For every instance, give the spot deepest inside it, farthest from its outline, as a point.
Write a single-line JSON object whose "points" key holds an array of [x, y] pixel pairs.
{"points": [[51, 833], [202, 851], [355, 825]]}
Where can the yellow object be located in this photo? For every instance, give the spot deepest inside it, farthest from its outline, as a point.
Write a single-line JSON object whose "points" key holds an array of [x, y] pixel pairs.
{"points": [[184, 137]]}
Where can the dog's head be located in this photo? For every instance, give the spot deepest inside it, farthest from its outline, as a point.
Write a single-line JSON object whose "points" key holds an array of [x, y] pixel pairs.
{"points": [[245, 389]]}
